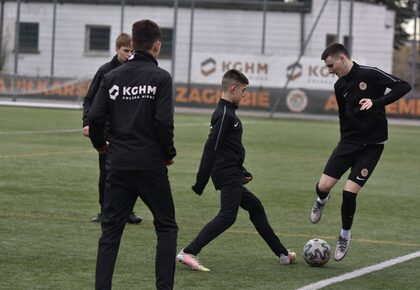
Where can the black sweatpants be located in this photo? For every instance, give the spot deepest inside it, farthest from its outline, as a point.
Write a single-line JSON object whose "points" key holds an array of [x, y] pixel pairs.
{"points": [[102, 177], [231, 198], [121, 191]]}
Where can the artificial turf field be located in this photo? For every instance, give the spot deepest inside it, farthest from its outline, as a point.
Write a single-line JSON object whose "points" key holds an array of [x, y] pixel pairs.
{"points": [[48, 194]]}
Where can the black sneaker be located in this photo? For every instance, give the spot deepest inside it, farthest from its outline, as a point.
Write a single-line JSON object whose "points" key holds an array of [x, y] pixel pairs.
{"points": [[98, 218], [134, 219]]}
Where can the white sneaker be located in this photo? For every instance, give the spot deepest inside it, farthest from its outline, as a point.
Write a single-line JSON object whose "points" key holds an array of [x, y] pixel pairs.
{"points": [[191, 261], [317, 209], [342, 248], [289, 259]]}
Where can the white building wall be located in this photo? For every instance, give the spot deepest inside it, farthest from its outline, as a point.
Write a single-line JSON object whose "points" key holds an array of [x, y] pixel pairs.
{"points": [[373, 31], [218, 31]]}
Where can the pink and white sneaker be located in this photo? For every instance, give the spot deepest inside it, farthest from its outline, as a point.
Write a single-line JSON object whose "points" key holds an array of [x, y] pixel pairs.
{"points": [[287, 260], [190, 261]]}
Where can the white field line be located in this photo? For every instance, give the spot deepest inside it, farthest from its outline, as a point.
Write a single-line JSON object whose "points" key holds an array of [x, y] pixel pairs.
{"points": [[360, 272], [80, 130], [40, 132]]}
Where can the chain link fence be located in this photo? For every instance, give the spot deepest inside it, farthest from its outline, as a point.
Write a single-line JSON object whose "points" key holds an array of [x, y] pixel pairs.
{"points": [[50, 50]]}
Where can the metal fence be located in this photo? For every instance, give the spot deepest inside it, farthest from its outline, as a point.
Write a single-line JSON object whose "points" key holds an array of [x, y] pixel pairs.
{"points": [[51, 49]]}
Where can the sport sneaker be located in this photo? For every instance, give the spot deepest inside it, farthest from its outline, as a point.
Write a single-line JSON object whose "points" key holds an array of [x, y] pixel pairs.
{"points": [[134, 219], [317, 209], [342, 248], [191, 261], [98, 218], [287, 260]]}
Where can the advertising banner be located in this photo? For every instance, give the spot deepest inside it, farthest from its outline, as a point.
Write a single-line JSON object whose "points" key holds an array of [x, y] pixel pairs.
{"points": [[263, 71], [298, 101]]}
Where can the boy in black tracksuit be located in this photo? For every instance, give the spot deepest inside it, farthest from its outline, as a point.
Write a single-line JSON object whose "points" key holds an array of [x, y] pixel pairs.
{"points": [[223, 158], [136, 98], [360, 92], [124, 51]]}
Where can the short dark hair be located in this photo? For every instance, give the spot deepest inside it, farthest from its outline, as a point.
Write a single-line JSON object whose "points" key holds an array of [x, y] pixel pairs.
{"points": [[335, 49], [123, 39], [145, 34], [232, 77]]}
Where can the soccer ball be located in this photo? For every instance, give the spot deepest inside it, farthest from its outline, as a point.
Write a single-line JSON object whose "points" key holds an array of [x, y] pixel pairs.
{"points": [[316, 252]]}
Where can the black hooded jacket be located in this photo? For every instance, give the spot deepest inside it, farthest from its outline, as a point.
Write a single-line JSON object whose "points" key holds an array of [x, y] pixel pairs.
{"points": [[94, 85], [137, 99]]}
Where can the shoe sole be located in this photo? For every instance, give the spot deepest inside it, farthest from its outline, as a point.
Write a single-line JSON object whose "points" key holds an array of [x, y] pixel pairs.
{"points": [[198, 270], [338, 260]]}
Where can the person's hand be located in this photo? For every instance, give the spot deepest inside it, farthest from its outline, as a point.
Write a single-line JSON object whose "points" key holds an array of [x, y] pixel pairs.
{"points": [[169, 162], [103, 149], [247, 176], [197, 189], [85, 131], [366, 104]]}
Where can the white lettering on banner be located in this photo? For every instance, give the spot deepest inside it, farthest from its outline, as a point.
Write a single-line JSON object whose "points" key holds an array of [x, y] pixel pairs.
{"points": [[262, 70]]}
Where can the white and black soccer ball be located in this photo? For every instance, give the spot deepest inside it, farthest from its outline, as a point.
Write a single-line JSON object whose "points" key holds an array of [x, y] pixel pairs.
{"points": [[316, 252]]}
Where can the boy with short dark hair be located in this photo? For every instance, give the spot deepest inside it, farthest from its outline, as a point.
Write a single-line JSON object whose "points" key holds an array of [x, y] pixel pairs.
{"points": [[222, 159], [137, 100]]}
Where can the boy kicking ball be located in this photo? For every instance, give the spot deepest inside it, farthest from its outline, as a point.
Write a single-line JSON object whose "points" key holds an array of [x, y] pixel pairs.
{"points": [[223, 159]]}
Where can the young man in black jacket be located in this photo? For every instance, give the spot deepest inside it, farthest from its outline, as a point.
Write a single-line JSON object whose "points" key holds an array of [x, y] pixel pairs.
{"points": [[137, 100], [223, 159], [361, 97], [124, 50]]}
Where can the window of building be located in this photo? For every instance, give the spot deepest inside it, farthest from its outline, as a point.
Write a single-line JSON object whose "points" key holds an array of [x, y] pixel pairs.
{"points": [[167, 40], [330, 39], [98, 38], [28, 37]]}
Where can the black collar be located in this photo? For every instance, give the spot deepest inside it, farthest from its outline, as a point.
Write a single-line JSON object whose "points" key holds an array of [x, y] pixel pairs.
{"points": [[143, 54], [228, 104], [354, 68], [115, 61]]}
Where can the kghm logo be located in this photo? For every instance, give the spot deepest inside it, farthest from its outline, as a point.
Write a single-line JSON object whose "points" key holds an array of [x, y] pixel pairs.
{"points": [[139, 90], [114, 92], [294, 71], [208, 66]]}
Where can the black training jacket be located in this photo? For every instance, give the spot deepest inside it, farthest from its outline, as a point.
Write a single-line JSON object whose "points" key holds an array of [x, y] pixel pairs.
{"points": [[94, 85], [223, 153], [137, 98], [367, 126]]}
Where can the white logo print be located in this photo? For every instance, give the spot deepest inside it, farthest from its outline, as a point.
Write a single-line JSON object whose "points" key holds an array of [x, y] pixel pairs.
{"points": [[114, 92], [359, 178], [346, 94], [236, 124]]}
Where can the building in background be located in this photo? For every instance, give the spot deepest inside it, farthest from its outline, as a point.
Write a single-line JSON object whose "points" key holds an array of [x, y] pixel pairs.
{"points": [[277, 44], [85, 30]]}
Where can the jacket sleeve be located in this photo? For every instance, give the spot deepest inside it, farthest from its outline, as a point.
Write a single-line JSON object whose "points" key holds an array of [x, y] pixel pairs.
{"points": [[398, 88], [218, 130], [164, 117], [97, 116], [90, 95]]}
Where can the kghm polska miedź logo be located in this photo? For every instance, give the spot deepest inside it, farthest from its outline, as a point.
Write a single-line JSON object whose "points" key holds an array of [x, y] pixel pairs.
{"points": [[133, 93], [208, 66]]}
